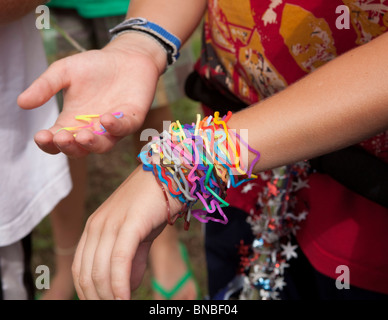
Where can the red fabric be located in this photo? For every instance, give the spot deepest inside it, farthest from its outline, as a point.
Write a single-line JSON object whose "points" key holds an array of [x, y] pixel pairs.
{"points": [[343, 228]]}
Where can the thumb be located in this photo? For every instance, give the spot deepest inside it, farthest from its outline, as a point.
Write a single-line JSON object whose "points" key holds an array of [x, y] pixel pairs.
{"points": [[46, 86]]}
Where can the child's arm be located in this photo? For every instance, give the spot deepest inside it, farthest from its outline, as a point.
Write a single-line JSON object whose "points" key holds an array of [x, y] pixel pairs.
{"points": [[340, 104], [120, 77]]}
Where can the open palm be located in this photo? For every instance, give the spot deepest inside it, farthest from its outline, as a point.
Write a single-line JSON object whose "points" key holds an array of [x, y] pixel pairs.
{"points": [[94, 82]]}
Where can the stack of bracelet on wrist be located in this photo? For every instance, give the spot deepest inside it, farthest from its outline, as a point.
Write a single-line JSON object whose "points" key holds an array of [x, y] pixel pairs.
{"points": [[198, 162], [195, 162]]}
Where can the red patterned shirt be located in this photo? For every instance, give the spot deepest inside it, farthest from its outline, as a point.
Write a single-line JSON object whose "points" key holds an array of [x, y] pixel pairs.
{"points": [[254, 49]]}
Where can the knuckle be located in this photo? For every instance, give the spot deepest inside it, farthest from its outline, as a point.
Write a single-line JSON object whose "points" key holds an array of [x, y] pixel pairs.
{"points": [[98, 277], [85, 282], [92, 222], [118, 289], [119, 257], [85, 138]]}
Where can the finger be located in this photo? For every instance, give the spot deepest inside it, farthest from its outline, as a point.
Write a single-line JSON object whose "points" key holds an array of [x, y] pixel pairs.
{"points": [[140, 259], [65, 142], [121, 127], [95, 143], [76, 267], [123, 254], [101, 265], [44, 140], [46, 86], [91, 243]]}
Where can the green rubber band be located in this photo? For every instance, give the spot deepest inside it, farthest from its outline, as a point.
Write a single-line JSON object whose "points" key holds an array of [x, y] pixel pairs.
{"points": [[217, 196]]}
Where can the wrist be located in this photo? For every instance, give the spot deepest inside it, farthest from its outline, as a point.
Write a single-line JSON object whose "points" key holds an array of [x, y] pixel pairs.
{"points": [[142, 44], [168, 41], [198, 162], [168, 206]]}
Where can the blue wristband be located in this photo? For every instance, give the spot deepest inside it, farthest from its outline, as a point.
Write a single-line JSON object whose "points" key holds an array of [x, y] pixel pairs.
{"points": [[169, 42]]}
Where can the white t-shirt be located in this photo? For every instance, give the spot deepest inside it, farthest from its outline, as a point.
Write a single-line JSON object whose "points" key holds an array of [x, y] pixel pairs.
{"points": [[31, 181]]}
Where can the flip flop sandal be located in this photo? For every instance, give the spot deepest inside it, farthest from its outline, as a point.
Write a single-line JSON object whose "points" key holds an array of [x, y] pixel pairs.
{"points": [[169, 294]]}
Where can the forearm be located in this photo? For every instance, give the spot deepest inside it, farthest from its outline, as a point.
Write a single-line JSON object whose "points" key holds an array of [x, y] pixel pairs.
{"points": [[342, 103], [176, 16], [14, 9]]}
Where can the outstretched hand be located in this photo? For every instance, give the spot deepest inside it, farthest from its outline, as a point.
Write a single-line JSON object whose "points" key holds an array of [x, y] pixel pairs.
{"points": [[111, 256], [121, 77]]}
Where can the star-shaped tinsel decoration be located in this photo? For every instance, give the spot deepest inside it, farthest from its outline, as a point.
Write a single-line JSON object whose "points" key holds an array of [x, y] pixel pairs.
{"points": [[302, 215], [289, 250], [272, 221], [300, 184], [279, 283], [248, 187], [282, 266]]}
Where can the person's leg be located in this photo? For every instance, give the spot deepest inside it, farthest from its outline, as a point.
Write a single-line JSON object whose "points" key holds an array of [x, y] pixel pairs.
{"points": [[168, 266], [67, 220]]}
